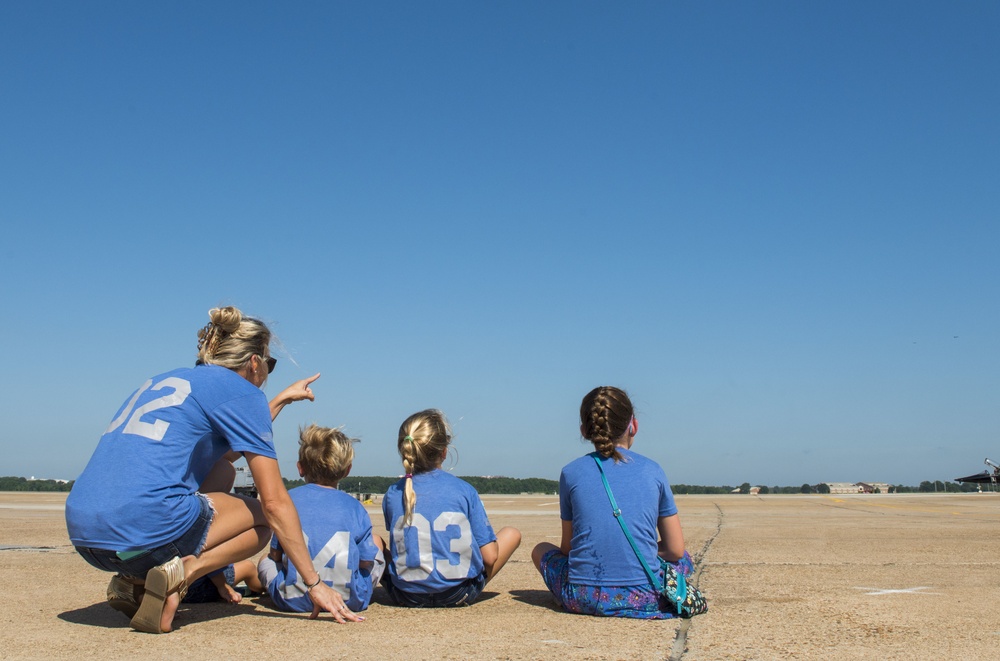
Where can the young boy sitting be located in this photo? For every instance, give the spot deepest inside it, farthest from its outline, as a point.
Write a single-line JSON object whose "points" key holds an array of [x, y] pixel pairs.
{"points": [[336, 527]]}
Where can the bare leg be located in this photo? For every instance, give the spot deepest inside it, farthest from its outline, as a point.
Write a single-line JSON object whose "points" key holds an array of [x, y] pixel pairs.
{"points": [[220, 479], [380, 544], [508, 539], [238, 531], [246, 572]]}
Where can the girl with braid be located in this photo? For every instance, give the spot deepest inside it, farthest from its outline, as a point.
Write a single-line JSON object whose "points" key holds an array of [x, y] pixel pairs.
{"points": [[594, 570], [442, 545]]}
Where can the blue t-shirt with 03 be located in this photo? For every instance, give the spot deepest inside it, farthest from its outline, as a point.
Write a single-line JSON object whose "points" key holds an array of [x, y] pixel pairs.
{"points": [[338, 533], [139, 489], [440, 548], [599, 552]]}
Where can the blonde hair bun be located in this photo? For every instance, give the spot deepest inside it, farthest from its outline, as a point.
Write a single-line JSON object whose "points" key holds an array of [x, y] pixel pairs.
{"points": [[226, 319], [230, 339]]}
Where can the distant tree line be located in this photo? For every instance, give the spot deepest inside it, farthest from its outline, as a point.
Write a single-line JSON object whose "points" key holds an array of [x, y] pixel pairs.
{"points": [[745, 488], [503, 485], [490, 485], [925, 487], [363, 484], [510, 485], [513, 485], [22, 484], [939, 487], [684, 489]]}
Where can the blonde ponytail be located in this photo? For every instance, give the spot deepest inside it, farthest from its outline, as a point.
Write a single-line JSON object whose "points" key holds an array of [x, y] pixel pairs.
{"points": [[423, 439]]}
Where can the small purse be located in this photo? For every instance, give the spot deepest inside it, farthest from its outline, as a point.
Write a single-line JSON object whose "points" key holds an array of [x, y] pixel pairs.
{"points": [[685, 600]]}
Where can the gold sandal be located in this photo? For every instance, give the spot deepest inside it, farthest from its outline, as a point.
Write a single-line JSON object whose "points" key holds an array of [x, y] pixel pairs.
{"points": [[124, 595], [161, 582]]}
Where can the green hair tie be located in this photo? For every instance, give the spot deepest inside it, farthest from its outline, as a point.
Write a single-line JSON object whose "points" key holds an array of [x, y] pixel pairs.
{"points": [[408, 438]]}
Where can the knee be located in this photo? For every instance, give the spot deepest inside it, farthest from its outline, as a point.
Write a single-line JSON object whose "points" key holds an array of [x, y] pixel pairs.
{"points": [[256, 510], [220, 479], [263, 537], [512, 536], [539, 551]]}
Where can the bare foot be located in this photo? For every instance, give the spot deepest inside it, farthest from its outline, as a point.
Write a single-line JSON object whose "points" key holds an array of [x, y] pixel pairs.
{"points": [[169, 611], [228, 594]]}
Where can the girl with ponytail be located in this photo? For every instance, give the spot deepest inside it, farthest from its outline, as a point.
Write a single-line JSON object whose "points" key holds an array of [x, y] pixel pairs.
{"points": [[595, 570], [443, 547]]}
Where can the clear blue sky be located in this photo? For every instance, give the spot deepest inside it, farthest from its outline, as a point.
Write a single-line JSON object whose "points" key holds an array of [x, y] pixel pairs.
{"points": [[774, 223]]}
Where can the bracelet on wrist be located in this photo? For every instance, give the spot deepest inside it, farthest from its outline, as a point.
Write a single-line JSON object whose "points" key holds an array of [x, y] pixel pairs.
{"points": [[319, 580]]}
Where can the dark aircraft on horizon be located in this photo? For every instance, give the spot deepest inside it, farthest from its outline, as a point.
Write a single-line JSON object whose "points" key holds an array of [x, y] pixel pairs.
{"points": [[986, 477]]}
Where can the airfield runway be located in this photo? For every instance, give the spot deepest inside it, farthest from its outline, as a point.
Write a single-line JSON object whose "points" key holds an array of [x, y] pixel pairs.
{"points": [[787, 577]]}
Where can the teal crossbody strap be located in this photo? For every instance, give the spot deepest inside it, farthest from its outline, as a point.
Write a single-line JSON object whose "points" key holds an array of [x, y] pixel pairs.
{"points": [[681, 583]]}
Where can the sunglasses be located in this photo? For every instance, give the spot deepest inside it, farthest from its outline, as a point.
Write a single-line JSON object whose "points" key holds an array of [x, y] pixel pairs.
{"points": [[271, 362]]}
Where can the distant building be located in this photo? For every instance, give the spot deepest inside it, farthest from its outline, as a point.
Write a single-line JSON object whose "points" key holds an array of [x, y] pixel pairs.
{"points": [[874, 487], [857, 487], [843, 487]]}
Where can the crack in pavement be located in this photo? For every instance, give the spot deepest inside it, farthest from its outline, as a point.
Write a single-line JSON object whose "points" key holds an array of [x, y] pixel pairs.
{"points": [[680, 639]]}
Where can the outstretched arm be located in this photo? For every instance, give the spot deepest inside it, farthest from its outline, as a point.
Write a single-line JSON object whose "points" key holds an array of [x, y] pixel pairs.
{"points": [[296, 392]]}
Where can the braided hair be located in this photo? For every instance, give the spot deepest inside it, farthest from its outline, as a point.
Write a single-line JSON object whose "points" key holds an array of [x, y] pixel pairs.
{"points": [[605, 415], [423, 439]]}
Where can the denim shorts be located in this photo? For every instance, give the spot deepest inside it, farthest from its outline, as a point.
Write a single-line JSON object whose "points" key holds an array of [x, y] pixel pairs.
{"points": [[136, 566], [463, 594]]}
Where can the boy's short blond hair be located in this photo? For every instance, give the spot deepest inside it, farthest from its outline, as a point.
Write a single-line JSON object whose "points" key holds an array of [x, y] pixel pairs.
{"points": [[325, 454]]}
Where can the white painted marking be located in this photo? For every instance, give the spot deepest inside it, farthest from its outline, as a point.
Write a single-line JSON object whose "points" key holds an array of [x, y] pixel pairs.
{"points": [[547, 504], [30, 506], [880, 591]]}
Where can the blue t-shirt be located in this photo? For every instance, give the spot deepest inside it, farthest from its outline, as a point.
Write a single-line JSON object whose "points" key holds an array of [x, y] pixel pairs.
{"points": [[599, 552], [338, 533], [440, 548], [139, 489]]}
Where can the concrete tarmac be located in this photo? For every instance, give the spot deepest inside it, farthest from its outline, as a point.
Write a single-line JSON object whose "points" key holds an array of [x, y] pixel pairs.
{"points": [[787, 577]]}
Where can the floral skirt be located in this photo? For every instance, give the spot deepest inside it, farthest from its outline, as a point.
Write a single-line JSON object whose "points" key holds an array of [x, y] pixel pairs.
{"points": [[635, 601]]}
